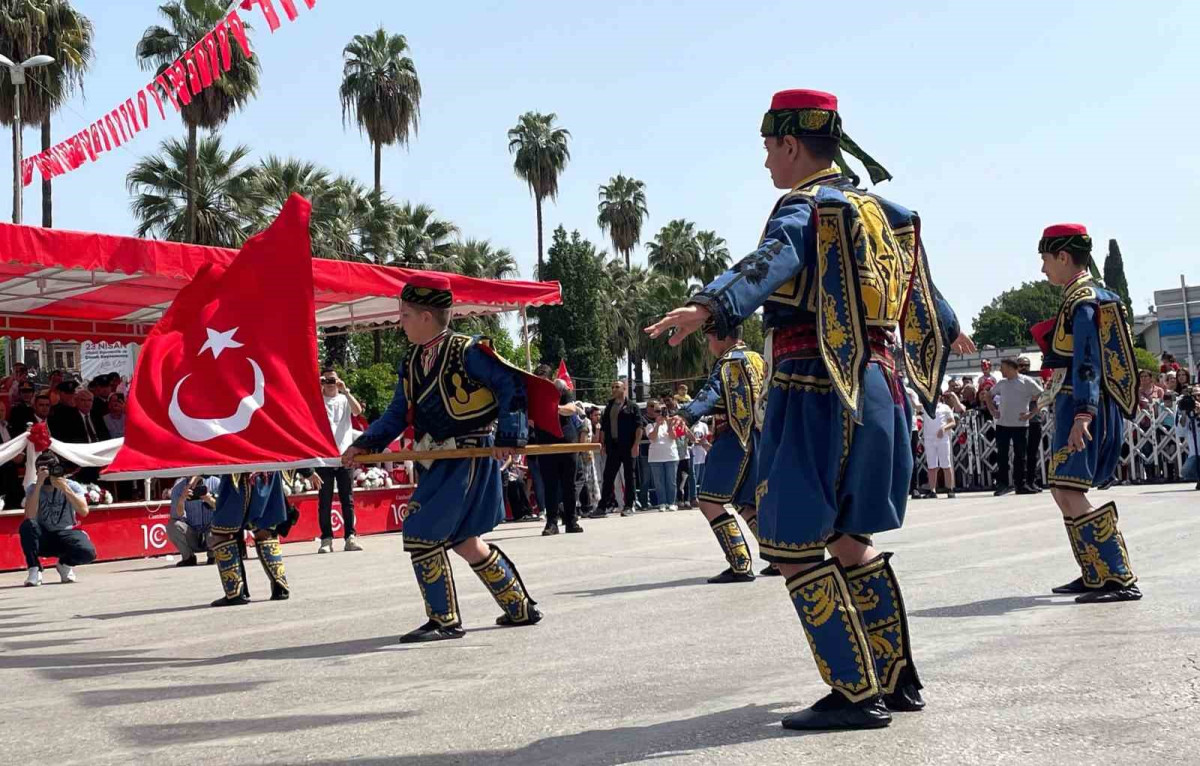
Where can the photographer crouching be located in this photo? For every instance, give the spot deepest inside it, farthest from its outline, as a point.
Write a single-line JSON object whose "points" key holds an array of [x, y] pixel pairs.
{"points": [[192, 503], [53, 505]]}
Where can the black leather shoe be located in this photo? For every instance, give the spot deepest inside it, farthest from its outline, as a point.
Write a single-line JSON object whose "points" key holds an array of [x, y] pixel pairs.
{"points": [[1002, 490], [771, 570], [1035, 489], [190, 561], [1075, 586], [551, 529], [535, 616], [730, 576], [236, 601], [431, 631], [573, 528], [1026, 491], [906, 699], [279, 593], [834, 711], [1110, 593]]}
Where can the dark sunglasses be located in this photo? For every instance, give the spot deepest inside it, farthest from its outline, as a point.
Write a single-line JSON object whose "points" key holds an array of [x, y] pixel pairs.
{"points": [[329, 381]]}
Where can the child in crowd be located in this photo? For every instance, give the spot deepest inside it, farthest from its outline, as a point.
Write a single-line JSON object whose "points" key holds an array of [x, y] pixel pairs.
{"points": [[938, 431]]}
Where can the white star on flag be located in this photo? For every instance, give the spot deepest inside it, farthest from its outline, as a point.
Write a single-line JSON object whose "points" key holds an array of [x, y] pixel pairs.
{"points": [[219, 341]]}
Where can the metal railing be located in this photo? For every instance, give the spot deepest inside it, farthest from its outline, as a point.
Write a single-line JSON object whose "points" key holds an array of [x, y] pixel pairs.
{"points": [[1152, 451]]}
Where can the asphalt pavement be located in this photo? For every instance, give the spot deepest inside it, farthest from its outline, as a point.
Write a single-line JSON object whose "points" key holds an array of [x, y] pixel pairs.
{"points": [[638, 659]]}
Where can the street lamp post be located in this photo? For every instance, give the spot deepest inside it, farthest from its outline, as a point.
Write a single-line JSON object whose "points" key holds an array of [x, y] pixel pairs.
{"points": [[17, 72]]}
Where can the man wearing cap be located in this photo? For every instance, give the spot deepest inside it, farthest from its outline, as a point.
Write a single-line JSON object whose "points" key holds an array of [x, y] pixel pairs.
{"points": [[731, 396], [1089, 346], [837, 272], [453, 389]]}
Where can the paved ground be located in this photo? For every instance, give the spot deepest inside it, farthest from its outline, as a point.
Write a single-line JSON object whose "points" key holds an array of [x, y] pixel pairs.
{"points": [[637, 661]]}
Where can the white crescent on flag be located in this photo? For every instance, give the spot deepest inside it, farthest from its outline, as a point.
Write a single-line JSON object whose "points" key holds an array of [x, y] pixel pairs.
{"points": [[204, 429]]}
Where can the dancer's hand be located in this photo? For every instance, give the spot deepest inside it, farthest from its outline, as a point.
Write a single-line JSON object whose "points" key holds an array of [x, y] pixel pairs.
{"points": [[963, 344], [1080, 435], [349, 455], [503, 453], [684, 321]]}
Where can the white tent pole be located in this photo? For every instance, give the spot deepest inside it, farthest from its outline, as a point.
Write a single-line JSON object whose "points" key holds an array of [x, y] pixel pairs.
{"points": [[525, 328]]}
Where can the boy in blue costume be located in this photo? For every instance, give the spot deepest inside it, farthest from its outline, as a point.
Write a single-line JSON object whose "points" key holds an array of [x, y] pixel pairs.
{"points": [[731, 396], [452, 390], [838, 272], [252, 501], [1094, 388]]}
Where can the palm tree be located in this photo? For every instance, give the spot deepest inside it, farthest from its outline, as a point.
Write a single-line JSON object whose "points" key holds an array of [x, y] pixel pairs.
{"points": [[477, 258], [160, 189], [712, 256], [622, 213], [541, 155], [674, 251], [422, 237], [631, 288], [380, 91], [188, 21], [667, 361]]}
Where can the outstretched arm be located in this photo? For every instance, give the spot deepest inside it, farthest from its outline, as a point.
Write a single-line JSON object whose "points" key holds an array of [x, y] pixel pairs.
{"points": [[706, 400], [736, 294], [391, 424]]}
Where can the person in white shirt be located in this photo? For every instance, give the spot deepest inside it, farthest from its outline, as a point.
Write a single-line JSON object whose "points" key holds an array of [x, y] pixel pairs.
{"points": [[938, 431], [340, 405], [664, 455]]}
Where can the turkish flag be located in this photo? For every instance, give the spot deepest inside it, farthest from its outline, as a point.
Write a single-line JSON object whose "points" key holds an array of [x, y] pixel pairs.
{"points": [[563, 375], [227, 380]]}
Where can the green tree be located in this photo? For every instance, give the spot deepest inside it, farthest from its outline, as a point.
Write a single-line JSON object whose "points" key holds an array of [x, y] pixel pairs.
{"points": [[688, 359], [477, 258], [373, 386], [423, 239], [996, 327], [1030, 303], [628, 291], [622, 213], [381, 91], [712, 256], [576, 329], [1114, 275], [1146, 361], [752, 333], [161, 193], [674, 250], [55, 28], [188, 21], [541, 155]]}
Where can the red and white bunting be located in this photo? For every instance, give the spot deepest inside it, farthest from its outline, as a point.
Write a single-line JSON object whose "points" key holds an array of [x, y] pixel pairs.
{"points": [[186, 78]]}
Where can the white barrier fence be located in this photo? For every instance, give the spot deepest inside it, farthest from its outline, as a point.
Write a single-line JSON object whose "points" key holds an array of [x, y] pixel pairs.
{"points": [[1152, 451]]}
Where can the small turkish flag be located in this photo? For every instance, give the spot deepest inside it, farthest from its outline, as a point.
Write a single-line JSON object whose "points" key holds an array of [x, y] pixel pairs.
{"points": [[565, 376], [227, 380]]}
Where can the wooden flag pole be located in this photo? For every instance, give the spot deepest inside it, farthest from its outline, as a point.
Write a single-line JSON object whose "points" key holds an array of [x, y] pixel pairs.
{"points": [[470, 452]]}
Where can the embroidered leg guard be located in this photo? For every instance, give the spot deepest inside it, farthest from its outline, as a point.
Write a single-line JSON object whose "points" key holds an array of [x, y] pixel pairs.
{"points": [[1077, 585], [877, 595], [750, 516], [1104, 559], [270, 555], [436, 579], [729, 536], [834, 629], [231, 572], [501, 577]]}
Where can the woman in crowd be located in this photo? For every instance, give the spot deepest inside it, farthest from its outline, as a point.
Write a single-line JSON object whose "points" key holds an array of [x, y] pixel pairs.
{"points": [[1183, 381], [664, 455], [1148, 390]]}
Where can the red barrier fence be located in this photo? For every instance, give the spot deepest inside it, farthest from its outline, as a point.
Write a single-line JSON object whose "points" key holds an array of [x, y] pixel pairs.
{"points": [[131, 531]]}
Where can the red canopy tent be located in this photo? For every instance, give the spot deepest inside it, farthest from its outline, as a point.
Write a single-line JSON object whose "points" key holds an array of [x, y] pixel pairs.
{"points": [[66, 285]]}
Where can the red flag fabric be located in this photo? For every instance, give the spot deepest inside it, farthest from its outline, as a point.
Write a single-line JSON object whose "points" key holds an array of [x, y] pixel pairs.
{"points": [[541, 396], [227, 380], [565, 376]]}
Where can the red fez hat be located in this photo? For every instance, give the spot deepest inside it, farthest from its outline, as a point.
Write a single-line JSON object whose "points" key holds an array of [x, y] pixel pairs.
{"points": [[430, 281], [1065, 230], [804, 99]]}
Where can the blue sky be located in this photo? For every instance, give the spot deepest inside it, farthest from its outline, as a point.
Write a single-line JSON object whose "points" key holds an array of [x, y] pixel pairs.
{"points": [[994, 118]]}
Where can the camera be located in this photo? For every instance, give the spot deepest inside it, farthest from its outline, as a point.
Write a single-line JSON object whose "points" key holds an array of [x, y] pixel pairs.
{"points": [[198, 492], [1187, 403], [52, 464]]}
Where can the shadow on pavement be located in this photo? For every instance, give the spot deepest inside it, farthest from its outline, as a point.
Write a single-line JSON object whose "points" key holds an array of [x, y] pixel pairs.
{"points": [[684, 583], [143, 612], [27, 633], [628, 744], [990, 607], [141, 694], [44, 643], [78, 659], [167, 734]]}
